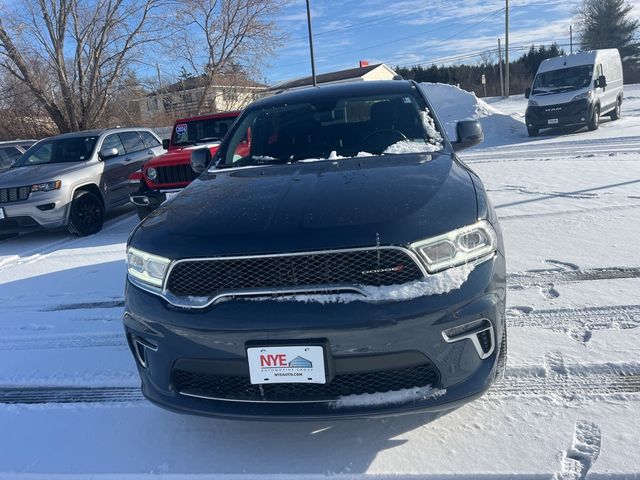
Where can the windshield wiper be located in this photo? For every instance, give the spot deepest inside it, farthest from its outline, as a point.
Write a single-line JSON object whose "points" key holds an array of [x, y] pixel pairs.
{"points": [[207, 140]]}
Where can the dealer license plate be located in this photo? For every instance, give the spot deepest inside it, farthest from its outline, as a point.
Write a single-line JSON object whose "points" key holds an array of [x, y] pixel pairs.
{"points": [[290, 364], [2, 213], [552, 121]]}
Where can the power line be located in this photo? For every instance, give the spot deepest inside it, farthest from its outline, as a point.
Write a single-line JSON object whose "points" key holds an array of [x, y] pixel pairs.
{"points": [[400, 39]]}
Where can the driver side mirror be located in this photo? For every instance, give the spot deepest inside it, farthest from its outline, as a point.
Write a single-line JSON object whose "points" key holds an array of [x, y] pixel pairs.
{"points": [[469, 134], [200, 159], [165, 143], [107, 153], [527, 92], [601, 81]]}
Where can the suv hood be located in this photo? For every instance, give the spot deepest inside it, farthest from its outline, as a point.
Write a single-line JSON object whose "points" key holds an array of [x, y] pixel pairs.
{"points": [[356, 202], [22, 176]]}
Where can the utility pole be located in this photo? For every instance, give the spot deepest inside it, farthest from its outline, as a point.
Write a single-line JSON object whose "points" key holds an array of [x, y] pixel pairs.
{"points": [[159, 78], [506, 48], [571, 38], [313, 62], [500, 67]]}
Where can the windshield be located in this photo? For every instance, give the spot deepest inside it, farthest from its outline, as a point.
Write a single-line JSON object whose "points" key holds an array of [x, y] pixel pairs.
{"points": [[200, 131], [563, 80], [59, 150], [333, 129]]}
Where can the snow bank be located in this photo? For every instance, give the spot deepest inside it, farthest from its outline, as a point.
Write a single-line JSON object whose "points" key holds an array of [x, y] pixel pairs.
{"points": [[453, 104]]}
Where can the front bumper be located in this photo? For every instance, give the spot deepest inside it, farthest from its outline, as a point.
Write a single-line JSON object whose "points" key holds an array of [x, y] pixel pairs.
{"points": [[566, 114], [41, 210], [360, 337]]}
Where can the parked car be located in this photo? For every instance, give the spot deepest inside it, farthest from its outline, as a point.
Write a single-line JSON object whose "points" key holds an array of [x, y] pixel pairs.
{"points": [[11, 151], [172, 171], [575, 89], [71, 180], [348, 264]]}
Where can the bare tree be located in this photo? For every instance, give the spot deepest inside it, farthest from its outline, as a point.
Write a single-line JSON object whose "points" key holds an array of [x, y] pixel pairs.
{"points": [[70, 54], [234, 33]]}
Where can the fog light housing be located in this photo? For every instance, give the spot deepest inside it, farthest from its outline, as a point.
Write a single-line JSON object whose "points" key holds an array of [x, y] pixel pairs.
{"points": [[480, 332]]}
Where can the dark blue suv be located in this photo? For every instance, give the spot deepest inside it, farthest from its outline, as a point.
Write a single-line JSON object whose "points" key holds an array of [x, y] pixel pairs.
{"points": [[335, 258]]}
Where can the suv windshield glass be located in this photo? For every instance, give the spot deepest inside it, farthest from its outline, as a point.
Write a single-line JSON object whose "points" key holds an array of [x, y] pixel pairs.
{"points": [[563, 80], [60, 150], [200, 131], [332, 129]]}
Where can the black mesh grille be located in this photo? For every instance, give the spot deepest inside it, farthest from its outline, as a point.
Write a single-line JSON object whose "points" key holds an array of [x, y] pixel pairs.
{"points": [[176, 174], [364, 267], [15, 194], [240, 388]]}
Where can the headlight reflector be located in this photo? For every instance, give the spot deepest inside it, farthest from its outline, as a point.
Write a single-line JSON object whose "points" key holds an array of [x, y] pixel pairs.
{"points": [[532, 103], [584, 95], [146, 267], [46, 186], [457, 247]]}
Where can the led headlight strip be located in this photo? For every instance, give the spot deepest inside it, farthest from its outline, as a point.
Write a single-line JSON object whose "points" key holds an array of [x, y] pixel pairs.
{"points": [[457, 247]]}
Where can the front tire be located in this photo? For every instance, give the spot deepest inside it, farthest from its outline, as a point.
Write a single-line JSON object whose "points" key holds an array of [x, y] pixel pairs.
{"points": [[617, 112], [501, 367], [87, 214], [594, 123], [533, 131]]}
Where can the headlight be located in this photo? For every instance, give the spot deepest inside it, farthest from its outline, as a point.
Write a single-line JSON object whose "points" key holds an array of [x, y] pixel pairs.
{"points": [[152, 173], [457, 247], [146, 267], [46, 186], [532, 103], [584, 95]]}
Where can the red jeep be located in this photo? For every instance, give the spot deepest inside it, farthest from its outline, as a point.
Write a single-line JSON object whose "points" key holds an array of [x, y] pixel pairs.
{"points": [[172, 171]]}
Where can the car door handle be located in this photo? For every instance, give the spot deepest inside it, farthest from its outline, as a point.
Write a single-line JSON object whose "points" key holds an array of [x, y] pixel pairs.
{"points": [[127, 159], [150, 153]]}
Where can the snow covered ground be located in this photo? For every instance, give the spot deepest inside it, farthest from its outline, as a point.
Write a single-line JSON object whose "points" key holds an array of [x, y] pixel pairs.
{"points": [[570, 211]]}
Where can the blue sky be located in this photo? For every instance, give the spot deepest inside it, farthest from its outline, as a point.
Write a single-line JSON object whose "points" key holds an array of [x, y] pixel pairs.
{"points": [[409, 32]]}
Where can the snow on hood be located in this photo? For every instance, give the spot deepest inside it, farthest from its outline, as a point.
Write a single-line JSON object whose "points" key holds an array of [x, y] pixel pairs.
{"points": [[436, 284], [404, 395]]}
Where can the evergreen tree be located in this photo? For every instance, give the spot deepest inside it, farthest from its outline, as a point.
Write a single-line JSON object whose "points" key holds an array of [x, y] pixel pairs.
{"points": [[609, 24]]}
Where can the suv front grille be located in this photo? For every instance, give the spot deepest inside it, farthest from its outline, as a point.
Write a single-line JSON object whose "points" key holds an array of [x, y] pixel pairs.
{"points": [[14, 194], [240, 387], [176, 174], [308, 271]]}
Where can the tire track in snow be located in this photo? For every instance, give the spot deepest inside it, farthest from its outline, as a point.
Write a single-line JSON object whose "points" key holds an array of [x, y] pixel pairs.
{"points": [[569, 383], [592, 383], [578, 323], [519, 280], [44, 342]]}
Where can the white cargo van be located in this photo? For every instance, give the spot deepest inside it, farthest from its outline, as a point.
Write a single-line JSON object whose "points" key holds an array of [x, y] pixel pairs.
{"points": [[575, 90]]}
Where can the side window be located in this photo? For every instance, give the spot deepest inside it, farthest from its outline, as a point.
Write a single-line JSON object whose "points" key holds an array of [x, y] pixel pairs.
{"points": [[149, 140], [131, 141], [8, 155], [113, 141]]}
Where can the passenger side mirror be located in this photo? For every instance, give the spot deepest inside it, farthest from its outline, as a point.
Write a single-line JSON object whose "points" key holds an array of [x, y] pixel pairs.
{"points": [[165, 143], [107, 153], [469, 134], [200, 159], [527, 92]]}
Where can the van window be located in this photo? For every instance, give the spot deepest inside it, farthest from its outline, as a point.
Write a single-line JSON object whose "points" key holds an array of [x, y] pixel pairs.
{"points": [[563, 80]]}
